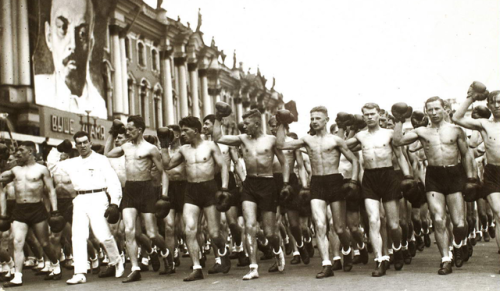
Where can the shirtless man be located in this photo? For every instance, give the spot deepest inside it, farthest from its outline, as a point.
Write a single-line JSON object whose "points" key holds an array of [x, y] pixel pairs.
{"points": [[381, 184], [445, 146], [139, 196], [230, 155], [200, 157], [259, 189], [324, 150], [490, 132], [30, 178], [297, 217]]}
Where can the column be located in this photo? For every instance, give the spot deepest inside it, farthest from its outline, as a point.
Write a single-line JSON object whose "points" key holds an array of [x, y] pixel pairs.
{"points": [[6, 65], [180, 63], [239, 109], [124, 76], [14, 44], [117, 62], [207, 105], [193, 74], [166, 83], [23, 43], [264, 122]]}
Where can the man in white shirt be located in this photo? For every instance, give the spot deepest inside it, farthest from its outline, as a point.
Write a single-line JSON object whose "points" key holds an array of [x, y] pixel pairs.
{"points": [[92, 176]]}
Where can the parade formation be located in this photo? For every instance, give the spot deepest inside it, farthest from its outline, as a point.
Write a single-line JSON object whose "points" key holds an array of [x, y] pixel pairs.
{"points": [[364, 185]]}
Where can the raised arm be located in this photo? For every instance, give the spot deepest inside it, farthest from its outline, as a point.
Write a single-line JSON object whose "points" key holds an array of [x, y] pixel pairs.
{"points": [[467, 122], [219, 160], [342, 145], [171, 162], [289, 145], [230, 140], [49, 184], [399, 139], [115, 153]]}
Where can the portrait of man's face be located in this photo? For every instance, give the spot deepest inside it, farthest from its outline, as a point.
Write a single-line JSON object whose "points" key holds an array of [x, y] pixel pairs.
{"points": [[69, 37]]}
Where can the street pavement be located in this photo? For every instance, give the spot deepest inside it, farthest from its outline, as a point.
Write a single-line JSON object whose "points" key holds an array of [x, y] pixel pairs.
{"points": [[481, 272]]}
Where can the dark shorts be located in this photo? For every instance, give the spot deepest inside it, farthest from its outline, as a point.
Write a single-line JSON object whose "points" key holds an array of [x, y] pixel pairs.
{"points": [[30, 213], [176, 192], [422, 199], [445, 180], [140, 195], [158, 190], [65, 206], [10, 207], [381, 183], [262, 191], [235, 192], [201, 194], [353, 205], [491, 179], [327, 188], [295, 203]]}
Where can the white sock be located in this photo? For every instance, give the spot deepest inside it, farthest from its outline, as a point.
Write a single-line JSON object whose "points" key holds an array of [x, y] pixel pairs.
{"points": [[296, 253], [326, 263], [196, 267], [18, 278], [218, 261], [254, 266]]}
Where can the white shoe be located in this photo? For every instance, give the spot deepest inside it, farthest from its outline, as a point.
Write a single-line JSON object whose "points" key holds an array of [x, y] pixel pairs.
{"points": [[119, 269], [30, 262], [253, 274], [280, 261], [77, 279], [105, 260], [62, 257], [46, 268], [95, 263], [40, 264]]}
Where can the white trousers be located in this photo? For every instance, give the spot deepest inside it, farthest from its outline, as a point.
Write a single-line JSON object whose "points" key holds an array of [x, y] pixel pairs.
{"points": [[88, 210]]}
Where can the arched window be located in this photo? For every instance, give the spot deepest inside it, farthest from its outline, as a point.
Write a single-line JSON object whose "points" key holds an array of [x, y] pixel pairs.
{"points": [[154, 57], [127, 48], [141, 53], [157, 106]]}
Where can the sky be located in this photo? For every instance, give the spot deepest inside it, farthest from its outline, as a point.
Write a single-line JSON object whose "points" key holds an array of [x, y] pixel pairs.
{"points": [[343, 54]]}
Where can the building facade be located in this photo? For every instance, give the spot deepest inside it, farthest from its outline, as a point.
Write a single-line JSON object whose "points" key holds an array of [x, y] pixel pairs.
{"points": [[141, 62]]}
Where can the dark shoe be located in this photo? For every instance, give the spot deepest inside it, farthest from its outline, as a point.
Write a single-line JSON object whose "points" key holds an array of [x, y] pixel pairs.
{"points": [[304, 255], [233, 256], [274, 268], [465, 252], [109, 271], [491, 231], [458, 257], [195, 275], [420, 243], [243, 260], [407, 256], [486, 236], [10, 284], [412, 247], [215, 269], [288, 248], [310, 248], [427, 240], [369, 247], [144, 267], [133, 277], [391, 259], [470, 250], [473, 241], [356, 259], [154, 260], [398, 260], [53, 276], [363, 254], [380, 269], [225, 265], [445, 268], [347, 262], [169, 267], [177, 261], [203, 260], [295, 260], [267, 252], [337, 265], [326, 272]]}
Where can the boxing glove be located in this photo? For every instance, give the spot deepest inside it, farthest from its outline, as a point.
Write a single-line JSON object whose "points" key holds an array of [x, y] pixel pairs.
{"points": [[470, 190], [481, 111], [344, 120], [166, 136], [477, 91], [112, 214], [286, 193], [65, 146], [117, 128], [162, 207], [223, 200], [358, 122], [222, 109], [284, 116], [418, 119], [351, 190], [56, 221], [401, 111], [408, 186], [305, 195], [4, 223]]}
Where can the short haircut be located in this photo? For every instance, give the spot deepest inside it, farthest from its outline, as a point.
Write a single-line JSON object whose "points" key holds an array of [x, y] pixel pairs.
{"points": [[152, 139], [370, 106], [81, 133], [272, 119], [492, 95], [321, 109], [210, 117], [383, 112], [390, 117], [293, 135], [191, 122], [333, 128], [254, 113], [175, 127], [29, 144], [433, 99], [138, 122]]}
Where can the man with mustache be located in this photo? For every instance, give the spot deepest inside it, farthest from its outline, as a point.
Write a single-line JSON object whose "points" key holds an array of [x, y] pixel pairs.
{"points": [[69, 36]]}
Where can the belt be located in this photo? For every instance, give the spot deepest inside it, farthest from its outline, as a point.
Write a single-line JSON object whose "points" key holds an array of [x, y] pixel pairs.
{"points": [[90, 191]]}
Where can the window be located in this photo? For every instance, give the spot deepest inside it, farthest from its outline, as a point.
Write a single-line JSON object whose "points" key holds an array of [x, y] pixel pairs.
{"points": [[127, 48], [141, 53], [154, 56]]}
